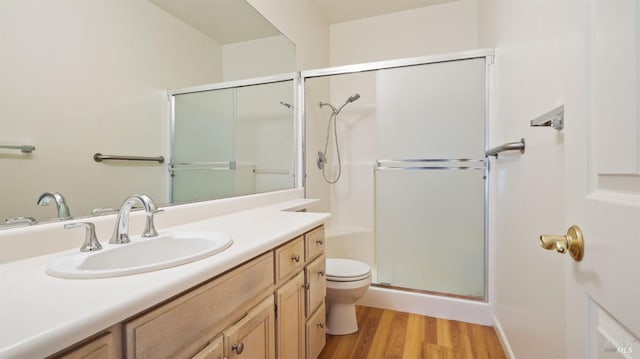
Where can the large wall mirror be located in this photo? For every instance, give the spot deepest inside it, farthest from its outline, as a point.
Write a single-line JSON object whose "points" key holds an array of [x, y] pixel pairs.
{"points": [[85, 77]]}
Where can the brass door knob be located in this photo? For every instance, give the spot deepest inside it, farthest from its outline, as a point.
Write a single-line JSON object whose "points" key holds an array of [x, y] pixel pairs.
{"points": [[573, 242]]}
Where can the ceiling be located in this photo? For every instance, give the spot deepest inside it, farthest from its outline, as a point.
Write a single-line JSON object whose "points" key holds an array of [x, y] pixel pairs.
{"points": [[230, 21], [348, 10], [226, 21]]}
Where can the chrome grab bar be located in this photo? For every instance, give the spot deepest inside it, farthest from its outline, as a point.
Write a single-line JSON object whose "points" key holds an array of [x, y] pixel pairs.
{"points": [[22, 148], [511, 146], [99, 157]]}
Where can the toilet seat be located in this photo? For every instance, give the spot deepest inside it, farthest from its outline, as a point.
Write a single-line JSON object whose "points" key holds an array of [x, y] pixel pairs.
{"points": [[346, 270]]}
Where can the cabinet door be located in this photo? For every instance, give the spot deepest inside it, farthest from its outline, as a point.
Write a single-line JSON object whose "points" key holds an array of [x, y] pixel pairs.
{"points": [[316, 333], [214, 350], [253, 337], [317, 283], [290, 319]]}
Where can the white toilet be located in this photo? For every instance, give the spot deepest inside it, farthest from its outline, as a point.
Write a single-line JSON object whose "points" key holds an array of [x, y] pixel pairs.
{"points": [[347, 281]]}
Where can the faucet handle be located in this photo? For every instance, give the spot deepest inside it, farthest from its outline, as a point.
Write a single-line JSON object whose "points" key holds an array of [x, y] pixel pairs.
{"points": [[149, 227], [91, 242]]}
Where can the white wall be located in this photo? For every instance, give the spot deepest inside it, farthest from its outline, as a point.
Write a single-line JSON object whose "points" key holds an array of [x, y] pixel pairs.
{"points": [[80, 77], [535, 44], [303, 23], [277, 55], [442, 28]]}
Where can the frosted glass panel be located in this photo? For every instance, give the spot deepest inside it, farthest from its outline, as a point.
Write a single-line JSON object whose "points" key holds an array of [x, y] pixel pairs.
{"points": [[430, 230], [434, 110], [197, 185], [430, 221], [204, 132], [265, 135]]}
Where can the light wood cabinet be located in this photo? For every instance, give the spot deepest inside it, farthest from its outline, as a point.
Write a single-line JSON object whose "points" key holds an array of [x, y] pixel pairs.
{"points": [[172, 328], [316, 333], [300, 300], [314, 243], [290, 303], [254, 335], [289, 258], [101, 347], [213, 350], [317, 284]]}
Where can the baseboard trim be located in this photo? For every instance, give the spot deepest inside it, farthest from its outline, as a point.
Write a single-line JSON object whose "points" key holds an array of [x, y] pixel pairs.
{"points": [[431, 305], [503, 338]]}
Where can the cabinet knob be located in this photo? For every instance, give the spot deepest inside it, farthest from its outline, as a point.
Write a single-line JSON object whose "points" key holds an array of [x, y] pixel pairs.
{"points": [[319, 242], [238, 348], [296, 258], [321, 325], [321, 272], [306, 286]]}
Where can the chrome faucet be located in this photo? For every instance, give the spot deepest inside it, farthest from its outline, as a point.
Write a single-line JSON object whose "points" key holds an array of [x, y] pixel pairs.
{"points": [[121, 232], [61, 204]]}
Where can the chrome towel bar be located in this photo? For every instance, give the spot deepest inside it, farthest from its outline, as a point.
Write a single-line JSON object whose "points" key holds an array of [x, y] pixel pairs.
{"points": [[99, 157], [431, 164], [199, 166], [553, 119], [511, 146]]}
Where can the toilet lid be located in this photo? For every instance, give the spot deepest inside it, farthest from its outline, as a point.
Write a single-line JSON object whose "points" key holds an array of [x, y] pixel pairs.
{"points": [[341, 268]]}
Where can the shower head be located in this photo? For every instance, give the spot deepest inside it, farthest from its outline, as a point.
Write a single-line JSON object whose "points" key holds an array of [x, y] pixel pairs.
{"points": [[349, 100], [353, 98], [336, 111]]}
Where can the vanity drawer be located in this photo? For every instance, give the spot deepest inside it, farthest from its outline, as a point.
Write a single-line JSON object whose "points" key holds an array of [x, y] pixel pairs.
{"points": [[316, 283], [314, 242], [316, 333], [172, 327], [102, 347], [289, 258]]}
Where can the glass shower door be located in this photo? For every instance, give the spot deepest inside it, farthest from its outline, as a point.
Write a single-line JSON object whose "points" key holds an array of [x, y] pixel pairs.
{"points": [[430, 178], [203, 151]]}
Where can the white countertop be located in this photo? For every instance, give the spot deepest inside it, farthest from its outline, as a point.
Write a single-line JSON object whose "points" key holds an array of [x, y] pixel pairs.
{"points": [[40, 314]]}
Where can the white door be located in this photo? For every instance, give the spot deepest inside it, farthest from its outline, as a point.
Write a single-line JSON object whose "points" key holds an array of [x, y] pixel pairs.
{"points": [[603, 186]]}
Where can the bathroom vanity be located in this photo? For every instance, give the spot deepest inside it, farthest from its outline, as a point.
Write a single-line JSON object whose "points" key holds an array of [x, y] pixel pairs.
{"points": [[263, 297]]}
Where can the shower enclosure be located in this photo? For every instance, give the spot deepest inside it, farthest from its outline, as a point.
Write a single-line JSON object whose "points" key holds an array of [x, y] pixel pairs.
{"points": [[411, 201]]}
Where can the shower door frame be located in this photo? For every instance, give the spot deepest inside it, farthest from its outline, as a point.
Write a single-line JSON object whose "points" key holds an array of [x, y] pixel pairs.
{"points": [[488, 55], [298, 126]]}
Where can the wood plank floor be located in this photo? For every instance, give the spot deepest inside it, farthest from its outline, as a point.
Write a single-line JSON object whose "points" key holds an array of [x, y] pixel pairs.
{"points": [[389, 334]]}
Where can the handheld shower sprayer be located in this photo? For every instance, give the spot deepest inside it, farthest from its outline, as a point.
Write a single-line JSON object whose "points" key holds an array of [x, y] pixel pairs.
{"points": [[322, 155]]}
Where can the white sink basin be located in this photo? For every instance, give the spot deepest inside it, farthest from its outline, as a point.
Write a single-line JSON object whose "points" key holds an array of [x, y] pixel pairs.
{"points": [[141, 255]]}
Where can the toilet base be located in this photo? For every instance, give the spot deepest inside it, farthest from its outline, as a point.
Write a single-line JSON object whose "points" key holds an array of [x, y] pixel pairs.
{"points": [[341, 319]]}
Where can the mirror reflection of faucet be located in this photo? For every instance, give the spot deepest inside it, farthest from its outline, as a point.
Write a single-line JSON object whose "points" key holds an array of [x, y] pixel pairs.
{"points": [[20, 221], [121, 232], [61, 204]]}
